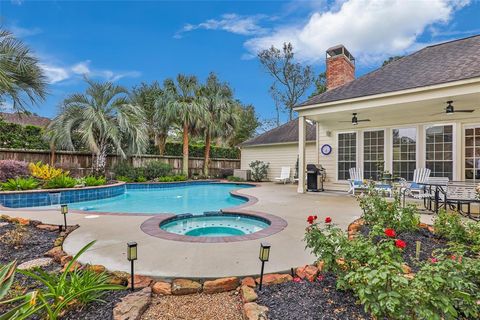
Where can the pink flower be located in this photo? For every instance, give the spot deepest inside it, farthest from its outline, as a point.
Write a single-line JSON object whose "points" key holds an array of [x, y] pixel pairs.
{"points": [[320, 278], [297, 279], [433, 260]]}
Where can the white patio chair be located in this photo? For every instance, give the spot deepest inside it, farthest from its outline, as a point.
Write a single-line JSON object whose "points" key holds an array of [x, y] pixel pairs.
{"points": [[356, 180], [459, 194], [284, 175]]}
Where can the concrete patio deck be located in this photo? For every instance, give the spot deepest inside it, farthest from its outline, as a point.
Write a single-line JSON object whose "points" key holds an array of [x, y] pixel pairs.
{"points": [[173, 259]]}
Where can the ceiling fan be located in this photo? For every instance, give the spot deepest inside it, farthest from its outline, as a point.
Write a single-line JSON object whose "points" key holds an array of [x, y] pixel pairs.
{"points": [[355, 120], [450, 110]]}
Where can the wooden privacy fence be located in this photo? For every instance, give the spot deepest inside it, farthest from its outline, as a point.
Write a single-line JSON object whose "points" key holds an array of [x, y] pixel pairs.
{"points": [[80, 163]]}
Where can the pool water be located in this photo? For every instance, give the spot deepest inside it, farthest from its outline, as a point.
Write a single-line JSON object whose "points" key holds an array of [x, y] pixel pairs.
{"points": [[192, 198], [215, 226]]}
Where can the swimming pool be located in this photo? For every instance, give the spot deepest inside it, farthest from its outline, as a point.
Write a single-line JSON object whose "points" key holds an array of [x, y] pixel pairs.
{"points": [[195, 198]]}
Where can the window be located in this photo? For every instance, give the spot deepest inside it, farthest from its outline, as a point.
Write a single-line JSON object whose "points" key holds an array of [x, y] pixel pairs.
{"points": [[472, 154], [439, 151], [347, 154], [373, 154], [404, 144]]}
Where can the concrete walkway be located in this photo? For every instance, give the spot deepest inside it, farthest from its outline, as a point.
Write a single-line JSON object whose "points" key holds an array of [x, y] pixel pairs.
{"points": [[169, 259]]}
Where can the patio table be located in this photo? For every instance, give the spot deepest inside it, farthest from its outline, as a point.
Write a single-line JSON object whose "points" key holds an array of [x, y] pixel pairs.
{"points": [[439, 185]]}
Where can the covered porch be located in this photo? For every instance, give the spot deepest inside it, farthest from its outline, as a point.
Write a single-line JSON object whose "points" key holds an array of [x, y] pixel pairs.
{"points": [[406, 130]]}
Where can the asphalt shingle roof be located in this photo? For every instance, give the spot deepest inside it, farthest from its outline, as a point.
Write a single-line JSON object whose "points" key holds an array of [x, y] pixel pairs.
{"points": [[285, 133], [446, 62], [25, 119]]}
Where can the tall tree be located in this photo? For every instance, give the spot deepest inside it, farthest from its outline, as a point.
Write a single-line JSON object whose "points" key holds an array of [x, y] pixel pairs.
{"points": [[291, 79], [21, 79], [104, 119], [320, 84], [222, 119], [247, 124], [153, 115], [183, 105]]}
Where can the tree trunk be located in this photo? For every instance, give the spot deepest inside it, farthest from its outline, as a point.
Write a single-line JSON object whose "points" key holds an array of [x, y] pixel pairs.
{"points": [[160, 141], [185, 149], [206, 158], [100, 161], [53, 155]]}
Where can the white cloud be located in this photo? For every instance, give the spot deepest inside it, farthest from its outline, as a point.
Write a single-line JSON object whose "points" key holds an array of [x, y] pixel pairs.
{"points": [[370, 29], [230, 22], [21, 32], [55, 73]]}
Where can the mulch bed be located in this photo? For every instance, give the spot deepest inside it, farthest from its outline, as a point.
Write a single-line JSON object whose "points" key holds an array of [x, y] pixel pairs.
{"points": [[429, 244], [99, 309], [319, 300], [32, 244]]}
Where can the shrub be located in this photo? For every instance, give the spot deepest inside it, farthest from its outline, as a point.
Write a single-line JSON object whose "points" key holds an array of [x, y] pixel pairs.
{"points": [[197, 150], [10, 169], [378, 211], [155, 169], [59, 291], [141, 179], [16, 136], [259, 170], [235, 179], [91, 181], [20, 184], [172, 178], [45, 171], [451, 226], [124, 179], [127, 171], [61, 181]]}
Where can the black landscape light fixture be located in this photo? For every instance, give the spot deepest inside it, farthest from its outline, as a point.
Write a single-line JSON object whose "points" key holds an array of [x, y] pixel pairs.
{"points": [[132, 256], [264, 255], [64, 211]]}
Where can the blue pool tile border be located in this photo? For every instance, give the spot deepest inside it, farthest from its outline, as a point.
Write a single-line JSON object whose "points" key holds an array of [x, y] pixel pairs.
{"points": [[39, 198]]}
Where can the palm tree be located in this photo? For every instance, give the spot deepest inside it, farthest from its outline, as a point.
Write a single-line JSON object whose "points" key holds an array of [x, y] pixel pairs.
{"points": [[220, 105], [104, 120], [21, 79], [153, 115], [183, 105]]}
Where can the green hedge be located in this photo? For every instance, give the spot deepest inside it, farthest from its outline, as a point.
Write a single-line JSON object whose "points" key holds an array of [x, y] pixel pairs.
{"points": [[15, 136], [196, 150]]}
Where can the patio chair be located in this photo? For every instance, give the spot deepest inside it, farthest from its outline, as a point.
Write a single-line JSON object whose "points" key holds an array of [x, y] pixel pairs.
{"points": [[284, 175], [356, 180], [416, 188]]}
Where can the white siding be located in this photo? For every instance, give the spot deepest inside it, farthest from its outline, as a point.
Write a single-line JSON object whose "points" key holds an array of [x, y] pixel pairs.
{"points": [[280, 155]]}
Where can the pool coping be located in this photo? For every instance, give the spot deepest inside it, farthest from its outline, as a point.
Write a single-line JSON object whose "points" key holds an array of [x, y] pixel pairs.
{"points": [[152, 227]]}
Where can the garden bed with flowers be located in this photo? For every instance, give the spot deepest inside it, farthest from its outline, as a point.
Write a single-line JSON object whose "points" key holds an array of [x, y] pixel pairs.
{"points": [[398, 268]]}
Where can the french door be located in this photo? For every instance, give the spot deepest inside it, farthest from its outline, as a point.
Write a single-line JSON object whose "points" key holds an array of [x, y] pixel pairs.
{"points": [[472, 153]]}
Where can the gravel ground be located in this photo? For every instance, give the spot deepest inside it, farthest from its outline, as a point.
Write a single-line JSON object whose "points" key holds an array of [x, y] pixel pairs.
{"points": [[32, 244], [221, 306], [305, 300], [98, 310]]}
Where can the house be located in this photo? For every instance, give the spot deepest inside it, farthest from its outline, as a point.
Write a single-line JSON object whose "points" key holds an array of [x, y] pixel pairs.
{"points": [[422, 110], [279, 148], [25, 119]]}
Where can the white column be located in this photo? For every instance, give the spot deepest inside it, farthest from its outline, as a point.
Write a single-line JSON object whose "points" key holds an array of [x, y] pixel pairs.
{"points": [[301, 153]]}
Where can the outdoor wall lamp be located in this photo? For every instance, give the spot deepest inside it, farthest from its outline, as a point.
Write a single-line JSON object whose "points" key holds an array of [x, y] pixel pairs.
{"points": [[263, 256], [132, 256], [64, 211]]}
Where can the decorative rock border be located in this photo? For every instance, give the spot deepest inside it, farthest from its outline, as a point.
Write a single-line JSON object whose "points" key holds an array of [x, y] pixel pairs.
{"points": [[152, 228]]}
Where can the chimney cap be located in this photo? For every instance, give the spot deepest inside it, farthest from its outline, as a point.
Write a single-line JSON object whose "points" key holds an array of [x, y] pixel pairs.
{"points": [[340, 50]]}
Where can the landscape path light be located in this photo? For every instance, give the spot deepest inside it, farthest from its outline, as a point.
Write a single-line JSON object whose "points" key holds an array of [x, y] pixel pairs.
{"points": [[263, 256], [132, 256], [64, 211]]}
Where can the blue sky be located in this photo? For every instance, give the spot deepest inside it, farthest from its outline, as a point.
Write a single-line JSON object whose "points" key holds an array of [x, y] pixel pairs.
{"points": [[131, 42]]}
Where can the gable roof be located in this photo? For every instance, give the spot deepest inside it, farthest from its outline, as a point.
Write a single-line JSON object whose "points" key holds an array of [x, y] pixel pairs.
{"points": [[446, 62], [286, 133], [25, 119]]}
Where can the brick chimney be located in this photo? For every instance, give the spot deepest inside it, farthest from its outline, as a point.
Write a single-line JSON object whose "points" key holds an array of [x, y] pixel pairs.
{"points": [[340, 67]]}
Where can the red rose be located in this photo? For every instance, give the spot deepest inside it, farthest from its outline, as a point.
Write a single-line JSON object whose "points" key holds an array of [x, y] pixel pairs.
{"points": [[390, 233], [433, 260], [328, 220], [320, 278], [297, 279], [311, 219], [400, 244]]}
